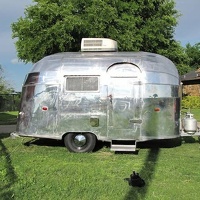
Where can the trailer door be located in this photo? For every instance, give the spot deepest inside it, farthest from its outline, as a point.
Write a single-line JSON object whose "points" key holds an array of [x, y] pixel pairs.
{"points": [[124, 102]]}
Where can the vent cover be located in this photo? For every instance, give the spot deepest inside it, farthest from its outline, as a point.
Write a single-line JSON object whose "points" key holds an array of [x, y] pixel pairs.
{"points": [[98, 44]]}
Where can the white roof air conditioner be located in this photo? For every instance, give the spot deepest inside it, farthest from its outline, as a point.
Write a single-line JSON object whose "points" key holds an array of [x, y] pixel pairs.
{"points": [[98, 44]]}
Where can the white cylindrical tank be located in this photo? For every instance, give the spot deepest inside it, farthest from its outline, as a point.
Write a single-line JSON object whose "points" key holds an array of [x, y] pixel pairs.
{"points": [[190, 124]]}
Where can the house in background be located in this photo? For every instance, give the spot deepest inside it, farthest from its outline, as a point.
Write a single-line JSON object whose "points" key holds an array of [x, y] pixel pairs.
{"points": [[191, 83]]}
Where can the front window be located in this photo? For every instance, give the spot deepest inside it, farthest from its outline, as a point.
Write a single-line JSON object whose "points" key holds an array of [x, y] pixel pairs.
{"points": [[32, 78]]}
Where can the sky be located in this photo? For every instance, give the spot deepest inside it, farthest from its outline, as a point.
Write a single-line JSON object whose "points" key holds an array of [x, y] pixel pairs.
{"points": [[187, 31]]}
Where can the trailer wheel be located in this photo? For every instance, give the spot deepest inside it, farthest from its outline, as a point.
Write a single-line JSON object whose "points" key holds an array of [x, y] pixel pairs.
{"points": [[80, 142]]}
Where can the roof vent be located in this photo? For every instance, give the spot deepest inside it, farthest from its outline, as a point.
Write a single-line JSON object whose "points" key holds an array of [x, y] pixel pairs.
{"points": [[98, 44]]}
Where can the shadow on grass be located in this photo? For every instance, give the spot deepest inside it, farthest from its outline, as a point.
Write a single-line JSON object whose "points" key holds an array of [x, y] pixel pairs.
{"points": [[163, 143], [100, 145], [10, 176], [60, 143], [189, 139], [147, 173], [168, 143], [44, 142], [148, 169], [4, 135]]}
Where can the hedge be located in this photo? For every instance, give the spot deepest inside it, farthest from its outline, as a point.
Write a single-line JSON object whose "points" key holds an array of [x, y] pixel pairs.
{"points": [[190, 102]]}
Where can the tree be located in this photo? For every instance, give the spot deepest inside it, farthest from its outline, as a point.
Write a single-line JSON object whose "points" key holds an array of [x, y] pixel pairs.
{"points": [[193, 53], [52, 26], [177, 54], [5, 88]]}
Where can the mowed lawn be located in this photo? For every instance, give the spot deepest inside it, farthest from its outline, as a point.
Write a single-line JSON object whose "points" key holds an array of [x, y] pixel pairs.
{"points": [[43, 169]]}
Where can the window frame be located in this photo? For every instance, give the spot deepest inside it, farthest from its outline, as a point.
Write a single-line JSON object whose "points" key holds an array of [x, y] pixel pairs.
{"points": [[82, 76]]}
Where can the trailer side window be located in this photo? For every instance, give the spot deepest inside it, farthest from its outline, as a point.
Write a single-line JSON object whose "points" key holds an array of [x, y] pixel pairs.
{"points": [[82, 83]]}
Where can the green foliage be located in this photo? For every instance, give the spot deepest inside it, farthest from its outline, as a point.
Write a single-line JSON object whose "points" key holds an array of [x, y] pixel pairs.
{"points": [[5, 88], [7, 102], [156, 26], [191, 102], [51, 26], [193, 53], [177, 54]]}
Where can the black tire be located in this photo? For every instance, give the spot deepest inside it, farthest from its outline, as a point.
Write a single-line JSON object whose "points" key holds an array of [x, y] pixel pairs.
{"points": [[80, 142]]}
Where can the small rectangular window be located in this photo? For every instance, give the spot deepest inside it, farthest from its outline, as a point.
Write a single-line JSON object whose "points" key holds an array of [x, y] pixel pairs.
{"points": [[82, 83]]}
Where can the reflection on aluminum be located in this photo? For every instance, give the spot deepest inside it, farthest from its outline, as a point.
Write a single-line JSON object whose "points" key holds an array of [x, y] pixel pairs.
{"points": [[133, 96]]}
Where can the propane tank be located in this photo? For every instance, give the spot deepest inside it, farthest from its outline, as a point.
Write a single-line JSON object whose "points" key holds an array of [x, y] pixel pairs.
{"points": [[189, 123]]}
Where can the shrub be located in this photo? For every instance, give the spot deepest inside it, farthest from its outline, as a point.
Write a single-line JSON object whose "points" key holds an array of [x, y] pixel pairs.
{"points": [[190, 102]]}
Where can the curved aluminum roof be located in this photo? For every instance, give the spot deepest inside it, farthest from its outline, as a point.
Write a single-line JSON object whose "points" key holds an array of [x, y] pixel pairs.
{"points": [[145, 61]]}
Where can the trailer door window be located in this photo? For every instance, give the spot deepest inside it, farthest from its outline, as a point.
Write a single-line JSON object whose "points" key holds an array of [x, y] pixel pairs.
{"points": [[82, 83]]}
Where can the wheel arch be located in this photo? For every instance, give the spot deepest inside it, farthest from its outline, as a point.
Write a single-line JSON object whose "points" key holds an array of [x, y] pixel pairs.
{"points": [[81, 132]]}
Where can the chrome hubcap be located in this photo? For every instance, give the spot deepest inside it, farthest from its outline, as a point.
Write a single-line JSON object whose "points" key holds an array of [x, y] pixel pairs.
{"points": [[80, 140]]}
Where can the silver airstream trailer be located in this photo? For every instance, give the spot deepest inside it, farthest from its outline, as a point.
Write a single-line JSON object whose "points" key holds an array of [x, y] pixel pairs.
{"points": [[101, 94]]}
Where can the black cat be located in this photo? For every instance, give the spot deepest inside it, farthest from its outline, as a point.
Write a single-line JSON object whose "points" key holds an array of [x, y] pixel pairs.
{"points": [[135, 180]]}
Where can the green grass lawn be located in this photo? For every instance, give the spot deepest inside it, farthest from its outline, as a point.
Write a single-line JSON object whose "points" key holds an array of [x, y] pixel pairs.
{"points": [[44, 169], [7, 118]]}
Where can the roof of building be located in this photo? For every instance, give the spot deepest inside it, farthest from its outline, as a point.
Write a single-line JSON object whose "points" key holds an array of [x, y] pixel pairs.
{"points": [[192, 77]]}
